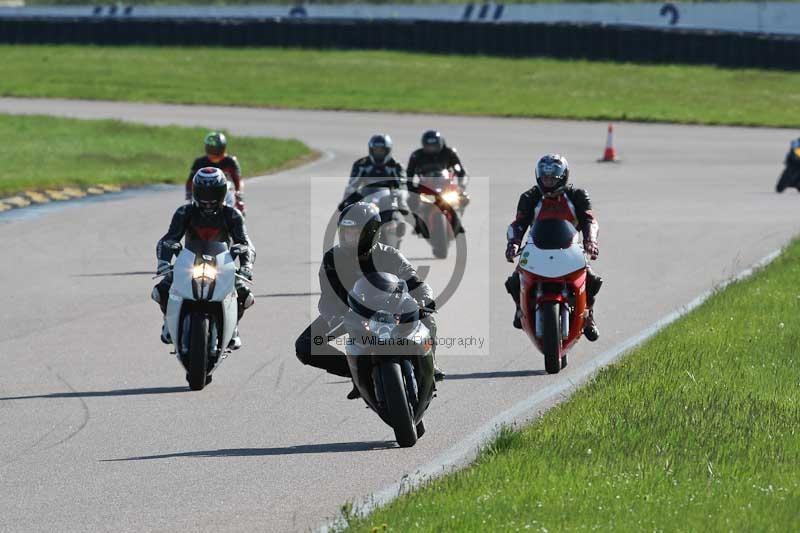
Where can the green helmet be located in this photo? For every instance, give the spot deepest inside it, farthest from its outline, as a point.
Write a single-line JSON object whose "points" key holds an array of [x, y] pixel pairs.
{"points": [[216, 143]]}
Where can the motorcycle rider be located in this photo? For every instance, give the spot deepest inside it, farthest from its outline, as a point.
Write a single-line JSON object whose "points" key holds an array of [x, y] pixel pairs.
{"points": [[553, 197], [434, 155], [357, 253], [216, 145], [378, 163], [207, 218]]}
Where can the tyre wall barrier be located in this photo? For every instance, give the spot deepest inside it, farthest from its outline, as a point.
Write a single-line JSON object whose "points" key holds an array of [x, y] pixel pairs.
{"points": [[506, 39]]}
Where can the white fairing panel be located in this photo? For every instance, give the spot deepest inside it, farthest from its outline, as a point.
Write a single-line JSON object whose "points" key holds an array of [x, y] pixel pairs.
{"points": [[552, 263], [224, 291]]}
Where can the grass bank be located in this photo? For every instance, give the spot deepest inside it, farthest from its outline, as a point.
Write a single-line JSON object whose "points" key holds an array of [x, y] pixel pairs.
{"points": [[46, 152], [380, 81], [697, 430]]}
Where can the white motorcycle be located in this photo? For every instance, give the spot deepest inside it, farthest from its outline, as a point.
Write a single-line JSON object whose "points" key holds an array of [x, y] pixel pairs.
{"points": [[202, 311]]}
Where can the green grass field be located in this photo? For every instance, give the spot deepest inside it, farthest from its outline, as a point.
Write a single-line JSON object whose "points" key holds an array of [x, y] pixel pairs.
{"points": [[697, 430], [46, 152], [380, 81]]}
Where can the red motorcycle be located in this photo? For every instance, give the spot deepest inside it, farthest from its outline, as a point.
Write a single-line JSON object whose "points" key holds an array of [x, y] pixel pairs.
{"points": [[552, 269], [441, 205]]}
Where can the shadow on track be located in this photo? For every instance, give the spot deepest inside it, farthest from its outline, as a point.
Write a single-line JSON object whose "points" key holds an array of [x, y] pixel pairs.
{"points": [[100, 393], [334, 447], [498, 374]]}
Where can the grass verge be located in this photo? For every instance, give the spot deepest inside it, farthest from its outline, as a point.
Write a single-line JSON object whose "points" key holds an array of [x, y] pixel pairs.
{"points": [[380, 81], [50, 152], [697, 430]]}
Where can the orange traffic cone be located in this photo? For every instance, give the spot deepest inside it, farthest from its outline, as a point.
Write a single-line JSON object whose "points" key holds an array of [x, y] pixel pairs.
{"points": [[609, 155]]}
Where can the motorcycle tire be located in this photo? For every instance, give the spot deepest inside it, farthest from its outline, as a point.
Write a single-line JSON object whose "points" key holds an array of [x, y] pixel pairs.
{"points": [[783, 182], [397, 405], [198, 352], [551, 338], [440, 236]]}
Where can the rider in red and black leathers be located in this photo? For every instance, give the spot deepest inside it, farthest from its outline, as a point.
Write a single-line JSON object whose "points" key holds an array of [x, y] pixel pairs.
{"points": [[216, 145], [552, 197], [206, 218]]}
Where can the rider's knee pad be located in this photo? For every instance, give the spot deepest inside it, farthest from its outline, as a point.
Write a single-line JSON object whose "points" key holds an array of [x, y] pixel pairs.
{"points": [[512, 284], [248, 300], [593, 283]]}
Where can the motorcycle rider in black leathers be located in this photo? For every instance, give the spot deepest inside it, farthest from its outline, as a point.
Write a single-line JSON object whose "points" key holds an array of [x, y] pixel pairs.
{"points": [[216, 146], [433, 156], [207, 218], [357, 253], [378, 166], [436, 155], [552, 197]]}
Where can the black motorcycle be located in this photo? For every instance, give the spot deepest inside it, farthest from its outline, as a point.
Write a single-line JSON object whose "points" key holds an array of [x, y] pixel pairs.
{"points": [[791, 174], [390, 353]]}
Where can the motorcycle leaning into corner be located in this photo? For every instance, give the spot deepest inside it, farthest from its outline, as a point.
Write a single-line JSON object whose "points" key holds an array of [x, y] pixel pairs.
{"points": [[790, 177], [202, 309], [441, 206], [390, 353], [552, 268]]}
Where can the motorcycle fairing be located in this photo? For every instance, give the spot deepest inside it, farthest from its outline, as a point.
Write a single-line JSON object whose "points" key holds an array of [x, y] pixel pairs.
{"points": [[185, 289]]}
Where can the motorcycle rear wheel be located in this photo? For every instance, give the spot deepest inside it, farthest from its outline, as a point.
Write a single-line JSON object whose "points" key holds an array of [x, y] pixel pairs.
{"points": [[551, 338], [198, 352], [397, 406]]}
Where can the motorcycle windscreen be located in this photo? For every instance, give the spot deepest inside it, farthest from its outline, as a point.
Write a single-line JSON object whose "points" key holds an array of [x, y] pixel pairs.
{"points": [[552, 250], [553, 234]]}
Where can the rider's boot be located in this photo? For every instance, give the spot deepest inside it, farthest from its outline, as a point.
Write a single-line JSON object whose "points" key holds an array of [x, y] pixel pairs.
{"points": [[590, 330], [518, 318], [354, 394], [236, 341], [165, 337]]}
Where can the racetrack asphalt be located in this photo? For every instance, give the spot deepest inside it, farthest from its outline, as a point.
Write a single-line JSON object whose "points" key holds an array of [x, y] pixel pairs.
{"points": [[99, 430]]}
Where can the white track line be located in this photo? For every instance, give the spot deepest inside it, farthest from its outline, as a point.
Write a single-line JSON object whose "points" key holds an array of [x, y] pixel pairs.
{"points": [[466, 450]]}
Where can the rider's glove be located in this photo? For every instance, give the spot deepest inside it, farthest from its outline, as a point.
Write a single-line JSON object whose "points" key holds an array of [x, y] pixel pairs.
{"points": [[163, 267], [512, 249], [591, 249], [246, 272]]}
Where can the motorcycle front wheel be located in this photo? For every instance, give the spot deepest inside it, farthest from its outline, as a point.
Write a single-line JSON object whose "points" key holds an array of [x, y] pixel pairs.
{"points": [[551, 338], [198, 352], [397, 406], [440, 237]]}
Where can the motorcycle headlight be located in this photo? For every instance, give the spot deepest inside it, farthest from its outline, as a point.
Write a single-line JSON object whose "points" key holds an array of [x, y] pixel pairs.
{"points": [[204, 270], [428, 198], [451, 197], [382, 325]]}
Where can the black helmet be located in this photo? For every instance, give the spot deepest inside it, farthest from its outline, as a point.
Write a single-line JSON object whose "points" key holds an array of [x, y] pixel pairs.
{"points": [[209, 187], [359, 225], [216, 143], [432, 142], [380, 148], [552, 173]]}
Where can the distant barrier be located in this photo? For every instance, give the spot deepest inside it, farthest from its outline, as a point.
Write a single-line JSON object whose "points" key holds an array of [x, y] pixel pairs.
{"points": [[508, 39]]}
